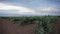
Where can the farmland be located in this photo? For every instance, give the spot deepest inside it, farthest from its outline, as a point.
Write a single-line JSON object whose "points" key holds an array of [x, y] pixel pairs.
{"points": [[28, 25]]}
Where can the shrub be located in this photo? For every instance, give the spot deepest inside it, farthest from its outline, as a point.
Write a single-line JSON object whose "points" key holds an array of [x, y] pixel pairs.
{"points": [[44, 26]]}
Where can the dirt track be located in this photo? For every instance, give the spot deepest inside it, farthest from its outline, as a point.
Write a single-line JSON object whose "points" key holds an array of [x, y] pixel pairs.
{"points": [[56, 27], [0, 27], [7, 27], [10, 28]]}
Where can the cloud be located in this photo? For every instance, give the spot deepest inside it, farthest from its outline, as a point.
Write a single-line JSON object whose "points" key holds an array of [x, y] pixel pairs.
{"points": [[47, 8], [8, 9], [15, 9]]}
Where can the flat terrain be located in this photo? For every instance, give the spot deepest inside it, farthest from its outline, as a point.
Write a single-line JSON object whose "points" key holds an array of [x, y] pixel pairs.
{"points": [[56, 26], [7, 27]]}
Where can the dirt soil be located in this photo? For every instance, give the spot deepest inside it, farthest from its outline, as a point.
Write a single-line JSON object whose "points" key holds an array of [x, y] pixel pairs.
{"points": [[7, 27], [56, 26]]}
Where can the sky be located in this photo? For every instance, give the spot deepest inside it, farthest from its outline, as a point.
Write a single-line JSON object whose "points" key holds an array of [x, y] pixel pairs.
{"points": [[29, 7]]}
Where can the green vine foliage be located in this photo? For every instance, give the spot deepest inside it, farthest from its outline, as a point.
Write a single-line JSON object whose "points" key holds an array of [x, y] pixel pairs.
{"points": [[44, 25]]}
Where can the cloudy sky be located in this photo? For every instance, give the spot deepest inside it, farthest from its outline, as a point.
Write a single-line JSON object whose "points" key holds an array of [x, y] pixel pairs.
{"points": [[29, 7]]}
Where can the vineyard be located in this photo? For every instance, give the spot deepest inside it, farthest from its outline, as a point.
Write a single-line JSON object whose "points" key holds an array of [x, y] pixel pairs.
{"points": [[43, 23]]}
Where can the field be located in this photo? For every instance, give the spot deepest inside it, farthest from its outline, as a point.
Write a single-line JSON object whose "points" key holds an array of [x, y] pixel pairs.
{"points": [[30, 25]]}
